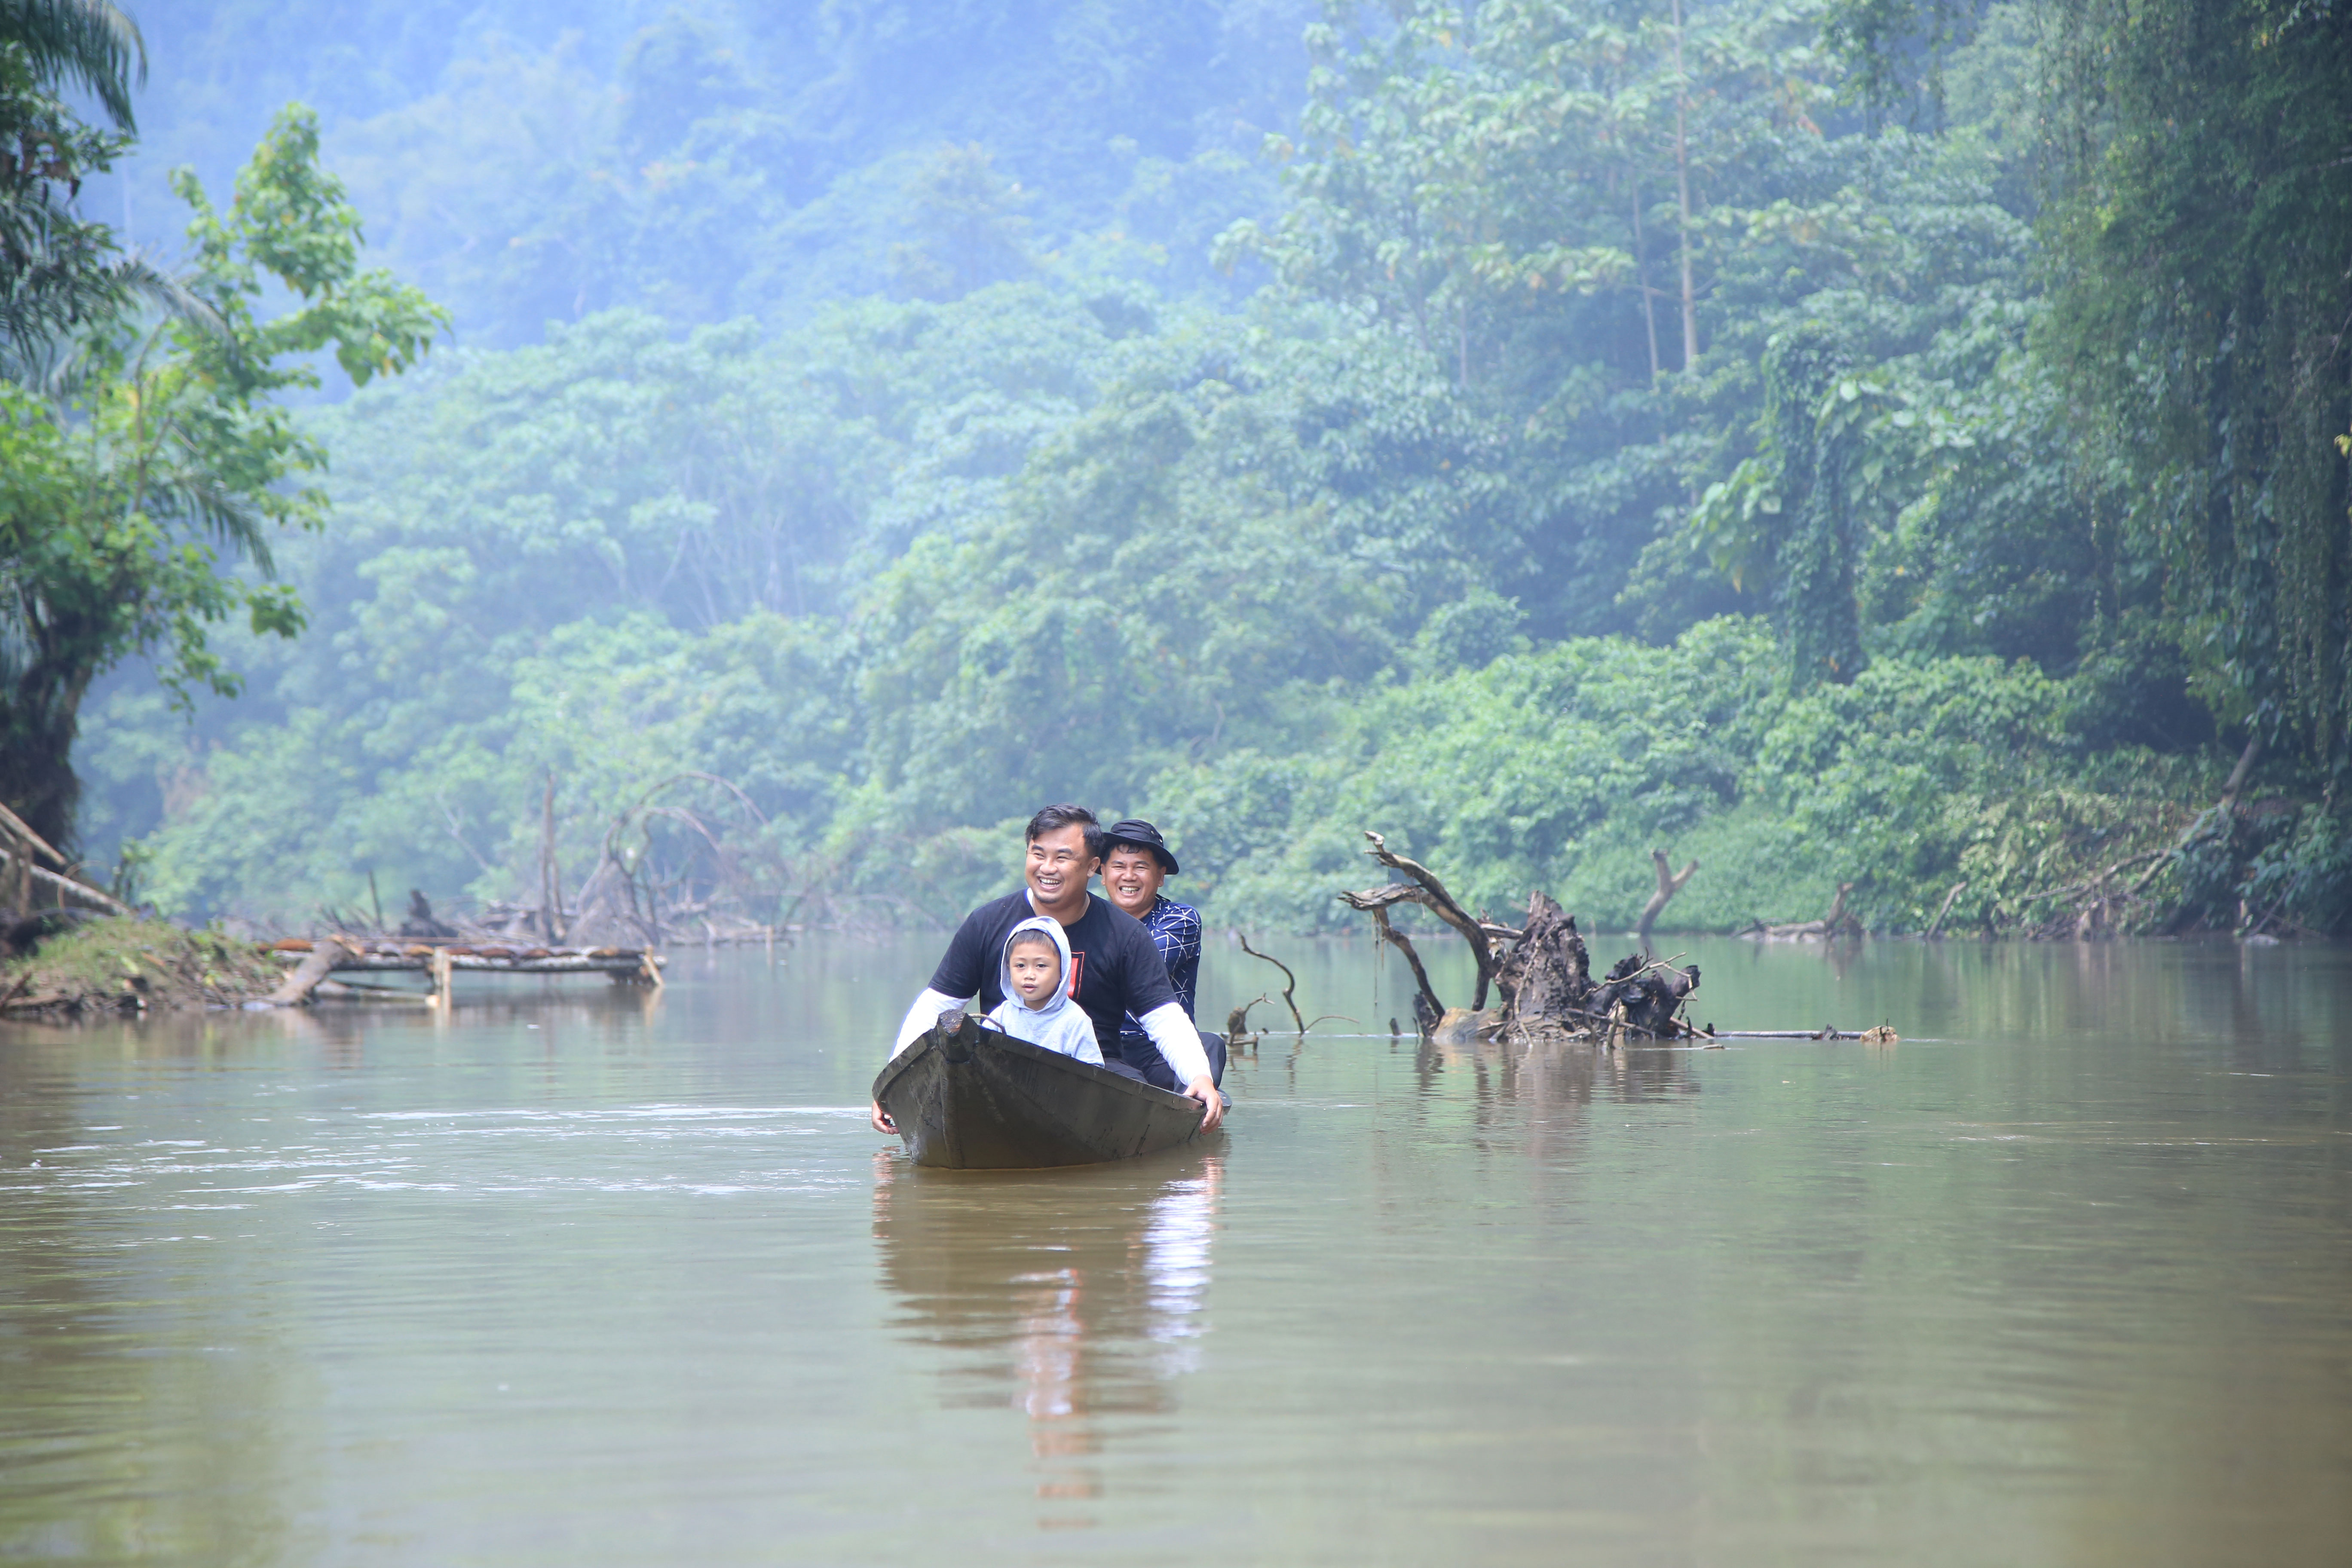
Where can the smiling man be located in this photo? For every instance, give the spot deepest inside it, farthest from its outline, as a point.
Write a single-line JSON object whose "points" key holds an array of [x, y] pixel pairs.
{"points": [[1136, 861], [1116, 969]]}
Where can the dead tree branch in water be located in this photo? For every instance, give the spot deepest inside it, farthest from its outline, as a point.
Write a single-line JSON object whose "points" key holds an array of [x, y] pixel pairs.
{"points": [[1426, 890], [1237, 1029], [1289, 981], [1426, 1008], [1668, 886], [1545, 980]]}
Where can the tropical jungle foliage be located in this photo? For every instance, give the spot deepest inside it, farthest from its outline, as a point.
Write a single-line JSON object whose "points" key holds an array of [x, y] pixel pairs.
{"points": [[143, 445], [1850, 443]]}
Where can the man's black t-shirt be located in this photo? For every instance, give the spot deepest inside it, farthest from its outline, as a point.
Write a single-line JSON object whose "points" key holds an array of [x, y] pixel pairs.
{"points": [[1118, 969]]}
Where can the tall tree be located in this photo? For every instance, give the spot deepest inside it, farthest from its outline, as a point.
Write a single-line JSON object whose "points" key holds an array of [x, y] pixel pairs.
{"points": [[126, 506]]}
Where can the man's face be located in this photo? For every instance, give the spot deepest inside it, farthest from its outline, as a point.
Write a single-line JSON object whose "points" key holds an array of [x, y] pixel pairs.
{"points": [[1132, 878], [1059, 865]]}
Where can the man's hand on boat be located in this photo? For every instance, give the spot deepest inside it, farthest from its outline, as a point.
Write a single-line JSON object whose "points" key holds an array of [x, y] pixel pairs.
{"points": [[882, 1122]]}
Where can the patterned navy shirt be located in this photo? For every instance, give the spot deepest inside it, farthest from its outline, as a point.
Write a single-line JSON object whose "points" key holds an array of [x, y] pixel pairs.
{"points": [[1175, 929]]}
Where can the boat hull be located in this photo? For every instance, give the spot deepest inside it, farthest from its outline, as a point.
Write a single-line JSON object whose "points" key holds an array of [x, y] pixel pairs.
{"points": [[968, 1098]]}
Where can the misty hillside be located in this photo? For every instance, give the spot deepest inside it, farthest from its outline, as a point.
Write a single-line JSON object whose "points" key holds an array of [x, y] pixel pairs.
{"points": [[529, 164], [1801, 437]]}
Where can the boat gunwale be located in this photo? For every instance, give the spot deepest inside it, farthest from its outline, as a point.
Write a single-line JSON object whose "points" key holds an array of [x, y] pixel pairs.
{"points": [[991, 1054], [897, 1066]]}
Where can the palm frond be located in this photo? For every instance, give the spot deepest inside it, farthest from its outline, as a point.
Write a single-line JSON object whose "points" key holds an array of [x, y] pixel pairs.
{"points": [[88, 41], [191, 495], [43, 310]]}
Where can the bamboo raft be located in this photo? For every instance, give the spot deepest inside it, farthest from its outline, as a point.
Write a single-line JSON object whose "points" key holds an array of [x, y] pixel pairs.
{"points": [[314, 962]]}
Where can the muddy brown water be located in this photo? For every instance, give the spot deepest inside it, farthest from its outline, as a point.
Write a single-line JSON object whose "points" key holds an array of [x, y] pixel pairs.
{"points": [[582, 1278]]}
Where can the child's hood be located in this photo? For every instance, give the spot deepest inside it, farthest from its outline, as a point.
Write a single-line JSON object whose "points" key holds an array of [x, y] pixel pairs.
{"points": [[1053, 929]]}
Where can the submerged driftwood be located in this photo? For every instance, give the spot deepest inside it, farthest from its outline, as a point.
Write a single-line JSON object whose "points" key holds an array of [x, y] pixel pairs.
{"points": [[1539, 970], [1836, 923]]}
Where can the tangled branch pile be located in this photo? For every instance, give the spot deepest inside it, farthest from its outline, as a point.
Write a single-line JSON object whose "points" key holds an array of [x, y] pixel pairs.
{"points": [[1539, 970]]}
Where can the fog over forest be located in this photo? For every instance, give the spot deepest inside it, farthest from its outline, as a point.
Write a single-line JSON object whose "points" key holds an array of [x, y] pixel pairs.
{"points": [[1851, 444]]}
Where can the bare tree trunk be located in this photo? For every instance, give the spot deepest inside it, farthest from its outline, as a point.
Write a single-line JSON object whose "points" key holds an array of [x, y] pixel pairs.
{"points": [[1668, 886], [1945, 908], [1641, 280], [2239, 775], [1682, 184], [550, 880]]}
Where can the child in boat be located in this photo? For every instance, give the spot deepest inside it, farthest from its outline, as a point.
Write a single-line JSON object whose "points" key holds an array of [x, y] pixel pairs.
{"points": [[1037, 1006]]}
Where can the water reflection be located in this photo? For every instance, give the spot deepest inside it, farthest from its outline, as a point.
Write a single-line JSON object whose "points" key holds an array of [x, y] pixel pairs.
{"points": [[1075, 1297], [2061, 1279], [1553, 1074]]}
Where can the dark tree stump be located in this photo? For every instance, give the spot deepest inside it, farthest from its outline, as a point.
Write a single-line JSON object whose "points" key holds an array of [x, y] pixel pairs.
{"points": [[1548, 974]]}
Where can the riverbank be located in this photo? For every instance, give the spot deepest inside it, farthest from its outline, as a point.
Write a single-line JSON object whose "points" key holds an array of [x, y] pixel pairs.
{"points": [[132, 965]]}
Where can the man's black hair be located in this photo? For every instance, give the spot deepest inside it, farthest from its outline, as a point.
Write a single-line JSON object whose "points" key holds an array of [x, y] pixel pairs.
{"points": [[1065, 816]]}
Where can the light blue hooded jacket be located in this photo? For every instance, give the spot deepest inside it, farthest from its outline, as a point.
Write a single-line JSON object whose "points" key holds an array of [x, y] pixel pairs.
{"points": [[1061, 1025]]}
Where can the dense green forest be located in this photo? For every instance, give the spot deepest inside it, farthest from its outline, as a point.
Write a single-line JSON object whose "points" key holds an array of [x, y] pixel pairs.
{"points": [[1849, 443]]}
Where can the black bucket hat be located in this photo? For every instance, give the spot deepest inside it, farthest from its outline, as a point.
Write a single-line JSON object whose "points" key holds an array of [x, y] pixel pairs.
{"points": [[1138, 833]]}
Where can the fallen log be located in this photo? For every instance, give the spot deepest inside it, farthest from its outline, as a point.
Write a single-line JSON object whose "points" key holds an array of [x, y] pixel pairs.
{"points": [[1837, 923], [64, 892], [1642, 996], [1545, 982], [315, 964]]}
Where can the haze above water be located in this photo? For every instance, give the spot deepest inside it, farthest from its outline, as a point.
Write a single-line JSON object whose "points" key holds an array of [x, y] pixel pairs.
{"points": [[601, 1279]]}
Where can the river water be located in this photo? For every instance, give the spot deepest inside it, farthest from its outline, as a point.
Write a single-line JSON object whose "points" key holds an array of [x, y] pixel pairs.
{"points": [[585, 1277]]}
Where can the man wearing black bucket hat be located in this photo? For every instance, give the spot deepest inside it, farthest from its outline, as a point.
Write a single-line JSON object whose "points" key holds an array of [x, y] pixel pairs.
{"points": [[1135, 860]]}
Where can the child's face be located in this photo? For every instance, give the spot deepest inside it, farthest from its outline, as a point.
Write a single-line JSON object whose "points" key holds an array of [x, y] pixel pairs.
{"points": [[1036, 971]]}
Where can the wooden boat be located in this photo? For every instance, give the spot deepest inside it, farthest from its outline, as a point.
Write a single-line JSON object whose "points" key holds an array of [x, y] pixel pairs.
{"points": [[970, 1098]]}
